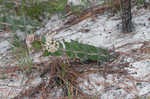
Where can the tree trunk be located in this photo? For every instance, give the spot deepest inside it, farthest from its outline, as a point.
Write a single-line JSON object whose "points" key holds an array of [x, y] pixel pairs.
{"points": [[126, 16]]}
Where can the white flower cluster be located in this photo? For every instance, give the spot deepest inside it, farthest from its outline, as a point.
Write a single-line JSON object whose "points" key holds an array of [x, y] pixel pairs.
{"points": [[51, 44]]}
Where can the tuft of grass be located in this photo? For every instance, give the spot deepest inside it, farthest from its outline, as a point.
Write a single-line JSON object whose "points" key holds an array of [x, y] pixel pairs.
{"points": [[21, 53], [28, 13], [15, 24], [63, 76], [36, 9]]}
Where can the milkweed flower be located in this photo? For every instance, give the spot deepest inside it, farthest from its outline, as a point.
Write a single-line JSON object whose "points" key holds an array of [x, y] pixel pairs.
{"points": [[51, 44]]}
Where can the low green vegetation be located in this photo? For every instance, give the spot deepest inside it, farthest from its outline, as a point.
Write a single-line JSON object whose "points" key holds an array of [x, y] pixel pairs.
{"points": [[22, 14], [22, 55], [28, 15], [45, 8], [75, 49]]}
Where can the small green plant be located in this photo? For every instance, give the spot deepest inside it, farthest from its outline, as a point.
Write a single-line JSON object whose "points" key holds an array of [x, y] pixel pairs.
{"points": [[75, 49], [21, 53]]}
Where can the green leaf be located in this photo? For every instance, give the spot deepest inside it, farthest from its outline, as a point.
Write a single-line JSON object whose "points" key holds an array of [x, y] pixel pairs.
{"points": [[58, 53], [37, 45], [85, 51], [43, 40], [46, 53], [70, 54]]}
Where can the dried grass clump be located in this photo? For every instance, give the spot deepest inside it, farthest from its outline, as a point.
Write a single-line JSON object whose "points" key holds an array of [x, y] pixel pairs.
{"points": [[63, 75]]}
